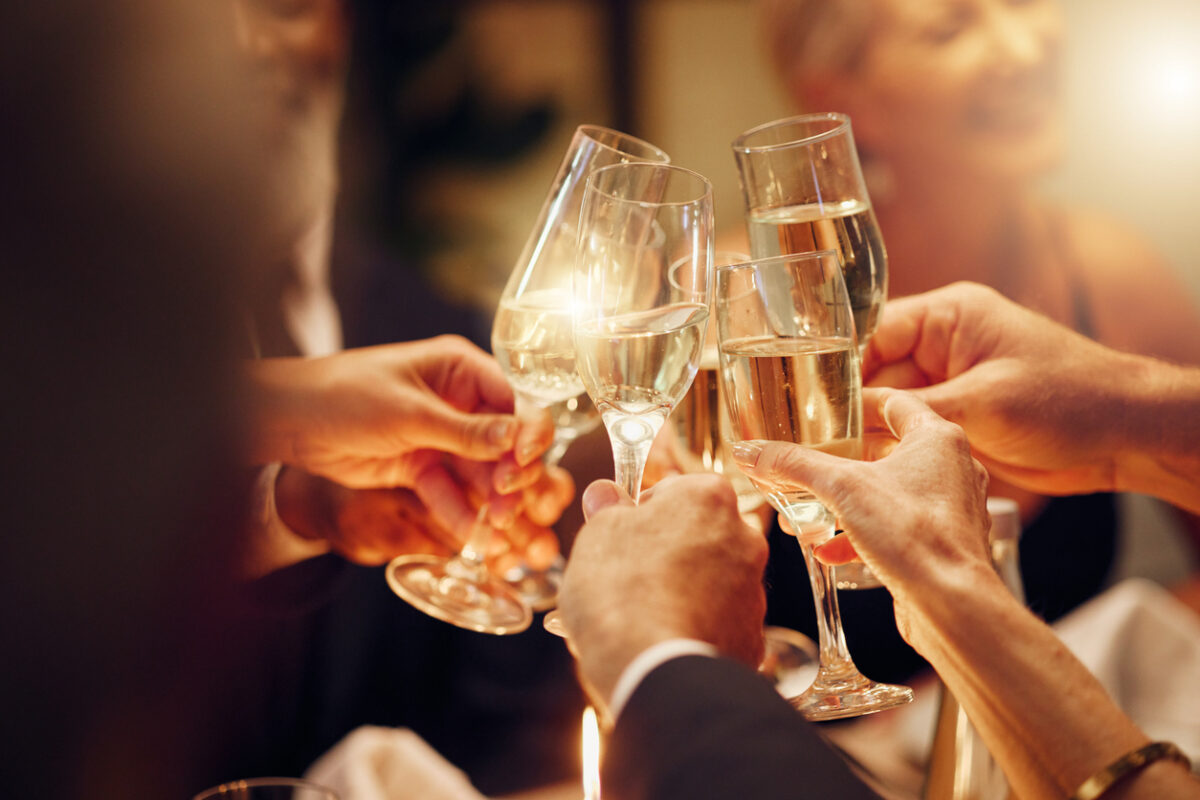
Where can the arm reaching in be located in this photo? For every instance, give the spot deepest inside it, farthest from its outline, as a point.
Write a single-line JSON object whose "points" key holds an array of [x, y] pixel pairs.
{"points": [[1045, 408], [917, 516]]}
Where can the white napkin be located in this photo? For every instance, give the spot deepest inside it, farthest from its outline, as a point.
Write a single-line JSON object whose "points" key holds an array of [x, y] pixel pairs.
{"points": [[1143, 644], [374, 763]]}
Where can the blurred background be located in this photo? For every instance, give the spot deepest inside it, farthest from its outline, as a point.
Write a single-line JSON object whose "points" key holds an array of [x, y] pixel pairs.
{"points": [[689, 75], [505, 82]]}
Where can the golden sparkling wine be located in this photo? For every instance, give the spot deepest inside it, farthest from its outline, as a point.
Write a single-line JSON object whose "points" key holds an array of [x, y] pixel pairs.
{"points": [[642, 362], [849, 228], [702, 428], [807, 391], [532, 341]]}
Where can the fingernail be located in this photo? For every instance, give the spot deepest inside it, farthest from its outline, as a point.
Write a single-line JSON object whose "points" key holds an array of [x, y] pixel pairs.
{"points": [[527, 452], [501, 433], [600, 495], [747, 453]]}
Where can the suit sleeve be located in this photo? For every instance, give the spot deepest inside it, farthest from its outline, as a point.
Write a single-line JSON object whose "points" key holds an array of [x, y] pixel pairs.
{"points": [[699, 727]]}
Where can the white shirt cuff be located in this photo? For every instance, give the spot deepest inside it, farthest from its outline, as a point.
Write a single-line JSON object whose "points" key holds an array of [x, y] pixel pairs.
{"points": [[646, 662], [272, 544]]}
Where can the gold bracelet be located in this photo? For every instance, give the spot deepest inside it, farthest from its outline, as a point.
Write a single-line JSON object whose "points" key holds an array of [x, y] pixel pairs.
{"points": [[1127, 764]]}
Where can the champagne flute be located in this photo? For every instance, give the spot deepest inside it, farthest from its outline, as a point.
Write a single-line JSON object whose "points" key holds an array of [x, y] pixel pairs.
{"points": [[803, 189], [642, 292], [532, 330], [791, 370], [701, 420]]}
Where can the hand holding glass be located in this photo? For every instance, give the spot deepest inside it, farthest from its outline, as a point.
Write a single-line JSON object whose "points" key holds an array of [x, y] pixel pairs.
{"points": [[791, 371]]}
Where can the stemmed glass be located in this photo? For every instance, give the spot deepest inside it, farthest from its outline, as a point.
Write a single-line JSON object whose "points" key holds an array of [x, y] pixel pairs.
{"points": [[803, 189], [642, 292], [532, 329], [701, 420], [791, 370]]}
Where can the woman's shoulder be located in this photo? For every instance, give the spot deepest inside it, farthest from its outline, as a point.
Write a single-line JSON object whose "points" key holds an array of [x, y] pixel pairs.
{"points": [[1135, 299]]}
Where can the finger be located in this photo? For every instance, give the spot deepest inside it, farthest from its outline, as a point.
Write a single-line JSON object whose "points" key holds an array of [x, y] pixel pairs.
{"points": [[483, 437], [546, 500], [474, 380], [535, 436], [447, 502], [602, 494], [511, 476], [783, 464], [903, 412], [838, 550]]}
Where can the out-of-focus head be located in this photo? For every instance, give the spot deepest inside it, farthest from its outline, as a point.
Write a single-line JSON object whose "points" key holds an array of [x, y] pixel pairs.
{"points": [[297, 53], [968, 85]]}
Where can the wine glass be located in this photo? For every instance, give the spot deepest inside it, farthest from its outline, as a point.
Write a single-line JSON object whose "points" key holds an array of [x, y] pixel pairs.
{"points": [[642, 292], [701, 420], [532, 332], [803, 189], [791, 370]]}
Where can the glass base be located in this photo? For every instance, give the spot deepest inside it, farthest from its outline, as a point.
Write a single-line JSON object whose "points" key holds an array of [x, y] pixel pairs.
{"points": [[539, 589], [848, 695], [453, 591]]}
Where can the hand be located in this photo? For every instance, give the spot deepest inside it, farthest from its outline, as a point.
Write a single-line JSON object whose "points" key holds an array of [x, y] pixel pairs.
{"points": [[373, 526], [1040, 403], [917, 516], [682, 564], [382, 416]]}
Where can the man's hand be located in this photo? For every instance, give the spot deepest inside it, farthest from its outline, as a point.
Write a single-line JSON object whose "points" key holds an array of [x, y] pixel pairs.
{"points": [[682, 564]]}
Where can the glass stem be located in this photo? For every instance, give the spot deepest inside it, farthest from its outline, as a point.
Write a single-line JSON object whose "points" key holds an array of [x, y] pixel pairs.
{"points": [[562, 440], [629, 462], [835, 656], [470, 559]]}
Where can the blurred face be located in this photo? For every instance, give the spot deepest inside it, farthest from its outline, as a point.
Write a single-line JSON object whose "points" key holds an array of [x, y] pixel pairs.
{"points": [[297, 51], [968, 84]]}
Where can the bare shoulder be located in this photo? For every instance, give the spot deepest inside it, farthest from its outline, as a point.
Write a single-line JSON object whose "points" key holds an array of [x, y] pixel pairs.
{"points": [[1135, 298]]}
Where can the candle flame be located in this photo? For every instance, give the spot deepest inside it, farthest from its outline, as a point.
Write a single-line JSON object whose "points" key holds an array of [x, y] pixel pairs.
{"points": [[591, 755]]}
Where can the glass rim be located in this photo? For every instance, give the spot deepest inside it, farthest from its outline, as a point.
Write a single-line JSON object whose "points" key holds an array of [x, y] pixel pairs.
{"points": [[754, 263], [638, 165], [590, 130], [256, 783], [842, 124]]}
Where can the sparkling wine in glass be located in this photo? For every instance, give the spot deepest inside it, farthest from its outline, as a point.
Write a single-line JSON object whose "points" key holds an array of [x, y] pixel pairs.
{"points": [[642, 292], [791, 370], [803, 189], [532, 333], [701, 423]]}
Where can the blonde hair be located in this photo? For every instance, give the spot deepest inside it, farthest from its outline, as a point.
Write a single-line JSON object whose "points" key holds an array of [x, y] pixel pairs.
{"points": [[807, 36]]}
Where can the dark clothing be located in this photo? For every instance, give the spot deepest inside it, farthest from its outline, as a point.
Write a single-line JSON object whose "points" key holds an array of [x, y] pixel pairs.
{"points": [[710, 728], [328, 647]]}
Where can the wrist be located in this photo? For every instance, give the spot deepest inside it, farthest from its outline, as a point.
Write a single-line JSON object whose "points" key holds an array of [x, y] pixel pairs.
{"points": [[280, 396], [1159, 450]]}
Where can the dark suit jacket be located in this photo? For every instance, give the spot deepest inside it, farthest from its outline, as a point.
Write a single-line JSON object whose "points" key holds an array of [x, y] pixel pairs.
{"points": [[709, 728]]}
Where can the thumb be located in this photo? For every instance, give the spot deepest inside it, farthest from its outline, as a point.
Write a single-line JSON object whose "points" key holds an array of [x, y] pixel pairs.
{"points": [[602, 494], [481, 437]]}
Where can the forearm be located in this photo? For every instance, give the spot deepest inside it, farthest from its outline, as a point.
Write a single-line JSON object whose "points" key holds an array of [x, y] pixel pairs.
{"points": [[1048, 721], [1161, 434]]}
